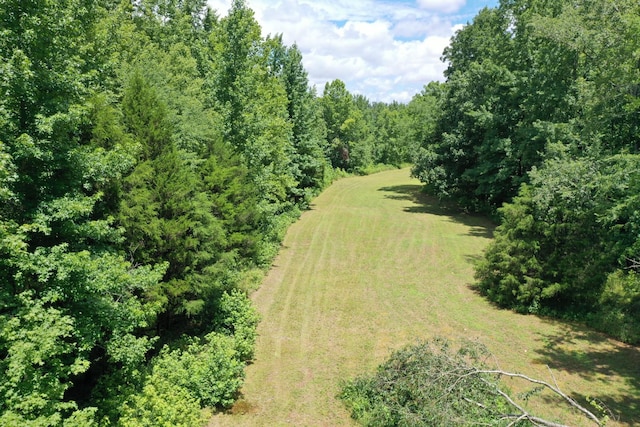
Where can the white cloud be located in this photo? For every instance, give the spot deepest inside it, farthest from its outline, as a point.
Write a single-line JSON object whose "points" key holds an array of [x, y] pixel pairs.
{"points": [[382, 49], [444, 6]]}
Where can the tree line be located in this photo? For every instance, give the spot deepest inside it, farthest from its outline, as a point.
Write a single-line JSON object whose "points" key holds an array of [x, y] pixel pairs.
{"points": [[539, 124], [152, 155]]}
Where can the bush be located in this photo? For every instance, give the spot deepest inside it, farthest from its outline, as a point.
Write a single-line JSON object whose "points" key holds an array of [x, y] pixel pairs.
{"points": [[209, 369], [565, 243], [619, 309], [238, 318], [162, 404], [207, 373]]}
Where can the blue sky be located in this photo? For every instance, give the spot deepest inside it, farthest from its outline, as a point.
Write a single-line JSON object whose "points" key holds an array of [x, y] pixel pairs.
{"points": [[471, 8], [384, 49]]}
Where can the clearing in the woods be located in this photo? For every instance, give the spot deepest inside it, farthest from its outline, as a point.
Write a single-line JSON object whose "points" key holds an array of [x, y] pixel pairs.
{"points": [[375, 265]]}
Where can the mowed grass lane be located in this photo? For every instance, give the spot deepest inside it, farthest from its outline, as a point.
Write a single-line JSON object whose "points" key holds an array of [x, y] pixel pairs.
{"points": [[374, 266]]}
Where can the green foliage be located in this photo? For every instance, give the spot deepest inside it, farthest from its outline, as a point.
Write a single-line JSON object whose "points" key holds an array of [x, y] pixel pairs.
{"points": [[539, 124], [234, 201], [427, 384], [234, 44], [505, 268], [393, 142], [430, 383], [48, 346], [422, 114], [167, 218], [563, 242], [162, 403], [346, 128], [146, 117], [209, 369], [378, 168], [517, 80], [238, 318], [619, 313], [181, 382], [473, 160], [36, 344], [250, 95], [308, 160]]}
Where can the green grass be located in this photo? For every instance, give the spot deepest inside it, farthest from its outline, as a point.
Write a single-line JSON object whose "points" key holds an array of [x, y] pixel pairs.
{"points": [[374, 266]]}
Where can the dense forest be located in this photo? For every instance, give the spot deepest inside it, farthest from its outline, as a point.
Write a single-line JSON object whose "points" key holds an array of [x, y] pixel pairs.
{"points": [[152, 155], [539, 124]]}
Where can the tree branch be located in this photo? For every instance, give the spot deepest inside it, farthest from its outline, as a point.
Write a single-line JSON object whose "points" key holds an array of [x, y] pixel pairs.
{"points": [[556, 390]]}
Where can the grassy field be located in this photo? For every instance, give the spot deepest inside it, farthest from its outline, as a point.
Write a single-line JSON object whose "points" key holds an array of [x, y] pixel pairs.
{"points": [[376, 265]]}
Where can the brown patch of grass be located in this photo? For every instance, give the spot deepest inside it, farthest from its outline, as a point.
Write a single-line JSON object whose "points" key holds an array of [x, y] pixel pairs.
{"points": [[242, 407]]}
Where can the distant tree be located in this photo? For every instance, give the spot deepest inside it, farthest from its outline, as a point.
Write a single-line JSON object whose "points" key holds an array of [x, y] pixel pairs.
{"points": [[391, 135], [346, 127], [422, 115]]}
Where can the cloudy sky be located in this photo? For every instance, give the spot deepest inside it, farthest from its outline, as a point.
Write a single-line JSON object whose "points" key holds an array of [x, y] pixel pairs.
{"points": [[384, 49]]}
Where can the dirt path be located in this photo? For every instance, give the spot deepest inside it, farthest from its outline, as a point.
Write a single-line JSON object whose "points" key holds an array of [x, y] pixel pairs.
{"points": [[374, 266]]}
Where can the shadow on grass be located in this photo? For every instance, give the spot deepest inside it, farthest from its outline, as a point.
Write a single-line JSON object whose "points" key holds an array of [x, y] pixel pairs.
{"points": [[574, 348], [422, 203]]}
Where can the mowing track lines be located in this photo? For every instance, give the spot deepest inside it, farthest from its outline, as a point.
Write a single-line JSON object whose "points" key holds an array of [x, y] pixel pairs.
{"points": [[292, 284]]}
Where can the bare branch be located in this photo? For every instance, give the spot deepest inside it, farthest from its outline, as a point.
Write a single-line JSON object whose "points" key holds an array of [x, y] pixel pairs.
{"points": [[480, 405], [517, 420], [634, 264], [526, 415], [553, 377], [556, 390]]}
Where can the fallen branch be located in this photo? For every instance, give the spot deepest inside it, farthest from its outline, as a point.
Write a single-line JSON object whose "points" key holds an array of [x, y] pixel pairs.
{"points": [[545, 384]]}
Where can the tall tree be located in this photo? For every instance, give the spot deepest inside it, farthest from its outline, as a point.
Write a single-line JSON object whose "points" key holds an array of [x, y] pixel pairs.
{"points": [[164, 210], [509, 92], [254, 105], [235, 43], [308, 135]]}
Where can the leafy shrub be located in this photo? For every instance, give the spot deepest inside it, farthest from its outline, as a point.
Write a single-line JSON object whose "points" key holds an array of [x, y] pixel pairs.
{"points": [[70, 417], [238, 318], [619, 308], [207, 373], [209, 369], [563, 241], [162, 404], [375, 168]]}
